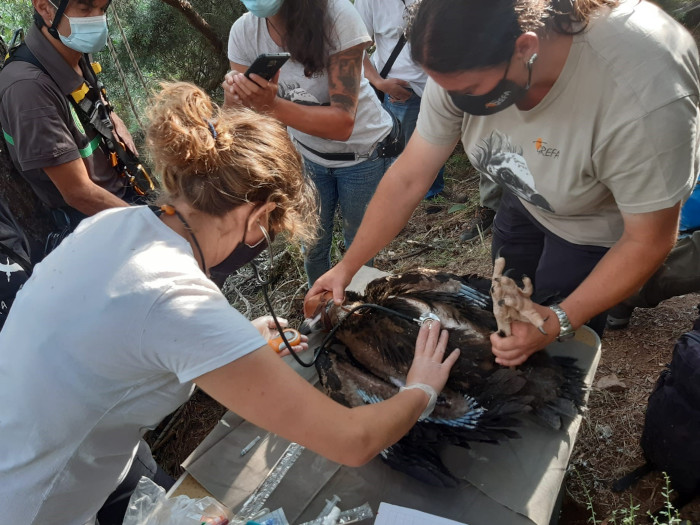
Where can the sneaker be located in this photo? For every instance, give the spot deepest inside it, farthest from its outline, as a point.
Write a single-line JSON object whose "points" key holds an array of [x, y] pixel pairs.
{"points": [[480, 224], [619, 316]]}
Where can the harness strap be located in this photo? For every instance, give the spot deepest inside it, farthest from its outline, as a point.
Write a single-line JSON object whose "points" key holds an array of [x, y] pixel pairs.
{"points": [[96, 114]]}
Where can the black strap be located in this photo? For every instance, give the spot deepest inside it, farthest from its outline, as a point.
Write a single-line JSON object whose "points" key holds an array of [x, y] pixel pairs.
{"points": [[93, 113], [330, 156], [395, 53], [53, 30], [22, 53]]}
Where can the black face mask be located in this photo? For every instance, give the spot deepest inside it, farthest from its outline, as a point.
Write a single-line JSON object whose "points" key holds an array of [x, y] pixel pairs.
{"points": [[242, 255], [506, 93]]}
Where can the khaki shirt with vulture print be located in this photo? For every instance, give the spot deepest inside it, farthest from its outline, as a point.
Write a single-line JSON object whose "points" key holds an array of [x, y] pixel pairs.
{"points": [[41, 127], [618, 131]]}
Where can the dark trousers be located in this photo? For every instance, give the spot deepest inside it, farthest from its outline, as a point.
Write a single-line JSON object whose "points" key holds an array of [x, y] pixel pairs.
{"points": [[555, 266], [678, 275], [112, 512]]}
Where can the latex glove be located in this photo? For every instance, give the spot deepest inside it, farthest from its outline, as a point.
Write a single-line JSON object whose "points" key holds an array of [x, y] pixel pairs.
{"points": [[254, 92], [267, 328], [430, 366]]}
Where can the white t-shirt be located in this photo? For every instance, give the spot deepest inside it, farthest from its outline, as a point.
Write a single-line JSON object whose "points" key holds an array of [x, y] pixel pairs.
{"points": [[101, 344], [618, 131], [385, 22], [249, 38]]}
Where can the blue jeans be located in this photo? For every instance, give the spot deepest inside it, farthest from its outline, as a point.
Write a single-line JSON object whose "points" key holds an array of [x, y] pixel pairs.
{"points": [[407, 113], [350, 187]]}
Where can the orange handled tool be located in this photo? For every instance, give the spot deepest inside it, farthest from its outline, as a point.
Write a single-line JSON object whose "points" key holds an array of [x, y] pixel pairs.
{"points": [[293, 338]]}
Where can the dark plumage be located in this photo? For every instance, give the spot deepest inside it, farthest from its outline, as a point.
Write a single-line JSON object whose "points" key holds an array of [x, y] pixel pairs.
{"points": [[481, 401]]}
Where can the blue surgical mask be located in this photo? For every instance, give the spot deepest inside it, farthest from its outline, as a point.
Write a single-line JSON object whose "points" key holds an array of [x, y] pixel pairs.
{"points": [[87, 34], [263, 8]]}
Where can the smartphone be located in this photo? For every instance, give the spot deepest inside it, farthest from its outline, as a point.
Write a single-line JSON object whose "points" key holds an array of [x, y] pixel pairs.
{"points": [[267, 64]]}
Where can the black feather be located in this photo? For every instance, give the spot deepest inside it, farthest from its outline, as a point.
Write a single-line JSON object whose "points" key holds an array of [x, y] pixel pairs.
{"points": [[482, 401]]}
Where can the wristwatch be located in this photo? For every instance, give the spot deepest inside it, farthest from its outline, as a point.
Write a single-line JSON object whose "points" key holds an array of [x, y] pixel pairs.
{"points": [[566, 331]]}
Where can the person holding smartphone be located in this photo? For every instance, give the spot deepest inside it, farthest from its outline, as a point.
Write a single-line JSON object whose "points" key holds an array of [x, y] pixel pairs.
{"points": [[586, 113], [330, 109]]}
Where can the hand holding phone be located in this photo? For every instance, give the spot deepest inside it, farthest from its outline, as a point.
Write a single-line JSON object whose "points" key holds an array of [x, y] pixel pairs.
{"points": [[267, 65]]}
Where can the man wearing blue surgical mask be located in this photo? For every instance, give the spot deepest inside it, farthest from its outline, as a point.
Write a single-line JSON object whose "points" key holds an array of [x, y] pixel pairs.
{"points": [[59, 155]]}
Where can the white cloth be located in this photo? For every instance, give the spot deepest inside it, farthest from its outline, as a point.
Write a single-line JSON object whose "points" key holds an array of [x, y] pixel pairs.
{"points": [[249, 38], [101, 344], [385, 22], [618, 131]]}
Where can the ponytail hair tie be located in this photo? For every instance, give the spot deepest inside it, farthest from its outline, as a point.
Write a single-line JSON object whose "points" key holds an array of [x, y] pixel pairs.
{"points": [[211, 129]]}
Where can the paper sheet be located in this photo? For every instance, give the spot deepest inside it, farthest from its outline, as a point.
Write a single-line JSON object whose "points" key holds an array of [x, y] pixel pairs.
{"points": [[394, 515]]}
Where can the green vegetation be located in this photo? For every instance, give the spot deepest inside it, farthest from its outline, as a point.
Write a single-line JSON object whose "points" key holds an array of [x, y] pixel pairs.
{"points": [[165, 45]]}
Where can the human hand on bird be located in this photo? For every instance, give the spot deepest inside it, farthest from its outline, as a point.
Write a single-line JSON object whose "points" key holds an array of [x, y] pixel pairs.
{"points": [[430, 367], [335, 280], [267, 328], [525, 338], [254, 92]]}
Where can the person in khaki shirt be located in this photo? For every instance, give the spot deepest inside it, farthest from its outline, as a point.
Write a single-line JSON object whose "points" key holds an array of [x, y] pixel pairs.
{"points": [[585, 113], [61, 159]]}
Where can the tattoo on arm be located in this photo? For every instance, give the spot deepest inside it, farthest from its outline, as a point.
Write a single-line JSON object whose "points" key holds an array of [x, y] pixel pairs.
{"points": [[344, 76]]}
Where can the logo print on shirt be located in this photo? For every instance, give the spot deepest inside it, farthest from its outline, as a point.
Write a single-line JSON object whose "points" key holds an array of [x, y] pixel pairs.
{"points": [[498, 159], [545, 149], [9, 269]]}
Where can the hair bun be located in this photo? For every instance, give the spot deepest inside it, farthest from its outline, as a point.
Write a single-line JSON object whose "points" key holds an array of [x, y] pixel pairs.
{"points": [[181, 128]]}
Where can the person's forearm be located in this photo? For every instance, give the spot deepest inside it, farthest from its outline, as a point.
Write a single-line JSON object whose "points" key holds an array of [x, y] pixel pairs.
{"points": [[327, 122], [371, 73], [383, 425], [94, 199], [351, 436], [620, 273]]}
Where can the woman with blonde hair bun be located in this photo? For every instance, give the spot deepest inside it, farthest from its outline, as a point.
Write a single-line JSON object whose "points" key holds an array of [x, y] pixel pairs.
{"points": [[117, 325]]}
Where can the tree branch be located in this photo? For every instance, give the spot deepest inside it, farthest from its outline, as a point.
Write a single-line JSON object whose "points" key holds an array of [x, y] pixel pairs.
{"points": [[196, 21]]}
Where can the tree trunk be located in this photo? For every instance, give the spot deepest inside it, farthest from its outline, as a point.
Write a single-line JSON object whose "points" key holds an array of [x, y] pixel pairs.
{"points": [[196, 21]]}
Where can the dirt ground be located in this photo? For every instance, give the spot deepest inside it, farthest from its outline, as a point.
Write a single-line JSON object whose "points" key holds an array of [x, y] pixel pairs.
{"points": [[608, 442]]}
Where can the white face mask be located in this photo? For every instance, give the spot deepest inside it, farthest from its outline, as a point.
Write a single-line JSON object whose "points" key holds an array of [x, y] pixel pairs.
{"points": [[87, 34]]}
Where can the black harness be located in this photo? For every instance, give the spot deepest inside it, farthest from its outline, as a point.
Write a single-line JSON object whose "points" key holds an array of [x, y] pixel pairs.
{"points": [[92, 106]]}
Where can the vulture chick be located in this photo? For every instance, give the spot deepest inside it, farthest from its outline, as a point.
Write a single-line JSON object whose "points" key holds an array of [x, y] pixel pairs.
{"points": [[481, 401]]}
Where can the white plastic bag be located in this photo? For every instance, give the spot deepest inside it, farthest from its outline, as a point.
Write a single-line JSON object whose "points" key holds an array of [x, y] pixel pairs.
{"points": [[149, 506]]}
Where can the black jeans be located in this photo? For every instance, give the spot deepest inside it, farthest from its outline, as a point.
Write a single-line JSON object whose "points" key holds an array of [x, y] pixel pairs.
{"points": [[555, 266], [112, 512]]}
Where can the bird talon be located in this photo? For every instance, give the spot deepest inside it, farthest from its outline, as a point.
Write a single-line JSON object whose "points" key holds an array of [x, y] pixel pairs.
{"points": [[541, 329]]}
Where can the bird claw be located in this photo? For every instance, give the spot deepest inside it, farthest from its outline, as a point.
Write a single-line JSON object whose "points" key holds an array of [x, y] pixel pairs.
{"points": [[512, 303]]}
